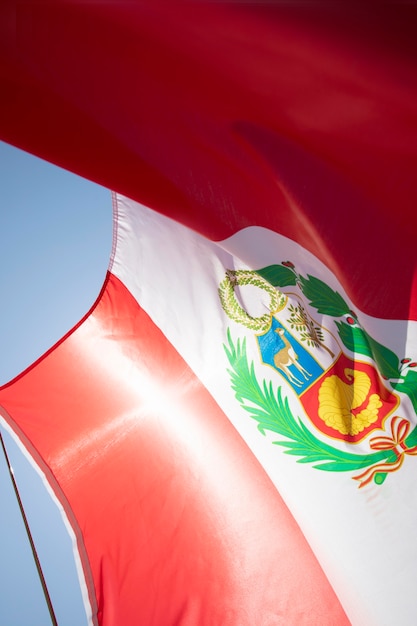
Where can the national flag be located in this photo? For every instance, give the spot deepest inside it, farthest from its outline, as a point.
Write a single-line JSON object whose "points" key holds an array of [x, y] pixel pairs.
{"points": [[231, 430]]}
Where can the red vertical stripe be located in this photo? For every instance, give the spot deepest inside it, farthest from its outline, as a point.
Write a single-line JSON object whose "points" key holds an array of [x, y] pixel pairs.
{"points": [[179, 523]]}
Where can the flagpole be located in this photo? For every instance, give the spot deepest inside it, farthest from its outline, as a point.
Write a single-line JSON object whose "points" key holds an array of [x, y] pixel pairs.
{"points": [[29, 535]]}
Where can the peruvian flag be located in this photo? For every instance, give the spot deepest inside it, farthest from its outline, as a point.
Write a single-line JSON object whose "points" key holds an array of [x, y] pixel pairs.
{"points": [[231, 430]]}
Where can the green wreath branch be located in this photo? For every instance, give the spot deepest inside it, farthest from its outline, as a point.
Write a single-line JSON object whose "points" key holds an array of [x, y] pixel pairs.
{"points": [[272, 412]]}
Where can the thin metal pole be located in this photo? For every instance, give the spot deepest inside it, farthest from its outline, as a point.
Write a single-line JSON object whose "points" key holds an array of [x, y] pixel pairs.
{"points": [[29, 534]]}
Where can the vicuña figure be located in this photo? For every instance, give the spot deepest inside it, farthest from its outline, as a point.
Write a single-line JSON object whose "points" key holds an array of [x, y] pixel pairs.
{"points": [[285, 357]]}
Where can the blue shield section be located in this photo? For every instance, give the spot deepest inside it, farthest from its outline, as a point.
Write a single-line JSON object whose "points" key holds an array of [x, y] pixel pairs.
{"points": [[279, 349]]}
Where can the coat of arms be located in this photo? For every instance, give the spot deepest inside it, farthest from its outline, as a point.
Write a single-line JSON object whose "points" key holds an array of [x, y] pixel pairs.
{"points": [[346, 383]]}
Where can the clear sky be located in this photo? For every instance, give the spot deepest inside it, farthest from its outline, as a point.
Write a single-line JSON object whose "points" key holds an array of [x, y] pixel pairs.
{"points": [[55, 231]]}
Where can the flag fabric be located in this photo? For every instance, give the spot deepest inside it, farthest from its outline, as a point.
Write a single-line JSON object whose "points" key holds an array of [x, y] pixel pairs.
{"points": [[232, 429], [175, 521]]}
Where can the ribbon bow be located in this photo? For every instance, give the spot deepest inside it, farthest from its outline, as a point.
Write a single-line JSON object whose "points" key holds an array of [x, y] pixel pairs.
{"points": [[400, 428]]}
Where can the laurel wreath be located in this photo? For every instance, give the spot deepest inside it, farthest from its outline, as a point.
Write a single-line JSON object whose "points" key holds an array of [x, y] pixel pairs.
{"points": [[271, 410], [233, 309]]}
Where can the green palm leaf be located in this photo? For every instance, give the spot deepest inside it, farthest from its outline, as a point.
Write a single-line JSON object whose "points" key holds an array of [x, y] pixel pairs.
{"points": [[323, 298], [272, 412]]}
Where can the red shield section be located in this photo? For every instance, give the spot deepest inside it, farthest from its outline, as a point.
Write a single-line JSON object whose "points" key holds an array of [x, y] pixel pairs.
{"points": [[349, 401]]}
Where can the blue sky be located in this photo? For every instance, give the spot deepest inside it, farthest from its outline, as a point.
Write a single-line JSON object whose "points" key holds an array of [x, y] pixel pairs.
{"points": [[55, 231]]}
